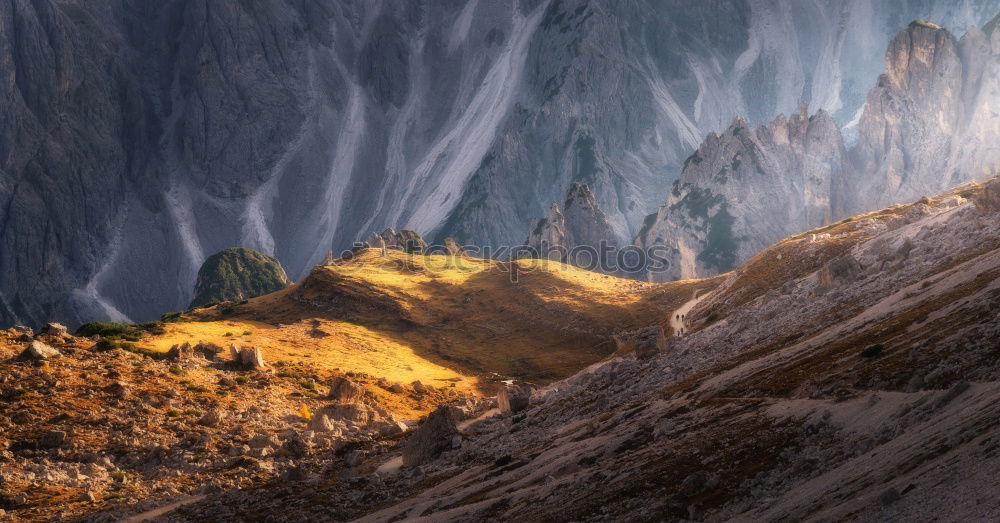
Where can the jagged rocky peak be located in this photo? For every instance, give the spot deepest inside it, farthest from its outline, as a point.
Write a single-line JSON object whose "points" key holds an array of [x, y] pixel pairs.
{"points": [[931, 122], [744, 189], [238, 273], [580, 222]]}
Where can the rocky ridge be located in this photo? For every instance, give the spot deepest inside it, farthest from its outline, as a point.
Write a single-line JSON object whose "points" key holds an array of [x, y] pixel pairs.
{"points": [[846, 373], [928, 124]]}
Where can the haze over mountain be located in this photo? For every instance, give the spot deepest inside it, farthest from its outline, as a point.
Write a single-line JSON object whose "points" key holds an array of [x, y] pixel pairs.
{"points": [[932, 121], [138, 137]]}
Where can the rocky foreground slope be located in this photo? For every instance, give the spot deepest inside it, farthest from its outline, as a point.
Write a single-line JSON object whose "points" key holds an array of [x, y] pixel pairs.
{"points": [[848, 373], [295, 385]]}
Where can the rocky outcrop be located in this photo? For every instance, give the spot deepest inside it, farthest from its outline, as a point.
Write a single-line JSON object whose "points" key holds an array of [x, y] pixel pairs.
{"points": [[344, 390], [433, 437], [743, 190], [643, 343], [39, 351], [238, 273], [405, 240], [581, 223], [514, 398], [247, 357], [932, 120]]}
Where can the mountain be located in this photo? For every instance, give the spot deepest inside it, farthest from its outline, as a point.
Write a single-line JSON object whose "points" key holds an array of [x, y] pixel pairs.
{"points": [[745, 189], [927, 125], [579, 224], [846, 373], [139, 136], [237, 274], [932, 120]]}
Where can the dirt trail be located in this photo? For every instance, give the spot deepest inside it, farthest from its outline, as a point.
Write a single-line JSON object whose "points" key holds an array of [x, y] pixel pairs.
{"points": [[677, 324]]}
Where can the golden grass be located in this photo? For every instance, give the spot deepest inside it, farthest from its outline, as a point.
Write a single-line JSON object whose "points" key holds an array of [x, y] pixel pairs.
{"points": [[442, 318]]}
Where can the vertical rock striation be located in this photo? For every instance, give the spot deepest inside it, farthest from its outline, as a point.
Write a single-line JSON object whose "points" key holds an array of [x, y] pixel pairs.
{"points": [[744, 189], [137, 137]]}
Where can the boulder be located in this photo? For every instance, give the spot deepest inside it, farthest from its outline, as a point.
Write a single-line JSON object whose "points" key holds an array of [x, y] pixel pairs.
{"points": [[21, 330], [247, 357], [844, 269], [514, 398], [346, 391], [321, 423], [208, 350], [57, 330], [39, 351], [52, 439], [988, 199], [420, 388], [180, 352], [212, 418], [433, 437], [117, 389], [644, 343]]}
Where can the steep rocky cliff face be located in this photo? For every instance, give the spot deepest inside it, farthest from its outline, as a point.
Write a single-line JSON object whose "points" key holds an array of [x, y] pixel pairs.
{"points": [[745, 189], [138, 136], [930, 123]]}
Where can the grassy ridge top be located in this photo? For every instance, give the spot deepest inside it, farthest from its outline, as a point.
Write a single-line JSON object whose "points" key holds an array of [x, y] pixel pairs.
{"points": [[442, 317]]}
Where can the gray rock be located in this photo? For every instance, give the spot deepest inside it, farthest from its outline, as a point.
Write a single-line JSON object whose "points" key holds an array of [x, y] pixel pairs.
{"points": [[580, 223], [38, 350], [247, 357], [514, 398], [419, 111], [431, 438], [52, 439], [181, 352], [56, 330], [346, 391], [213, 418]]}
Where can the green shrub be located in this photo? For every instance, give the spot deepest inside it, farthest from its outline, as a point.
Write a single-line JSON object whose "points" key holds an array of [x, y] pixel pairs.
{"points": [[171, 316], [110, 329], [242, 380], [114, 342], [236, 274]]}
